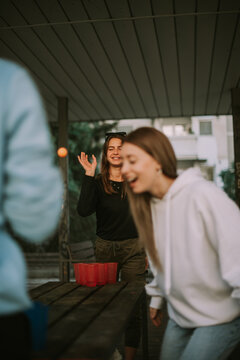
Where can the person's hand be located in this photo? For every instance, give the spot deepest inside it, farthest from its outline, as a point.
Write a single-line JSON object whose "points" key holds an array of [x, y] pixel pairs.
{"points": [[89, 168], [156, 316]]}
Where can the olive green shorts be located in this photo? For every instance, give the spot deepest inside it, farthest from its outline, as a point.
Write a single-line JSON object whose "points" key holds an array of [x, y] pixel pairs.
{"points": [[129, 255]]}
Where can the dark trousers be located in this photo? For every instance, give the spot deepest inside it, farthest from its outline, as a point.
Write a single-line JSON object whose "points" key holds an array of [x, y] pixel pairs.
{"points": [[131, 266], [15, 337]]}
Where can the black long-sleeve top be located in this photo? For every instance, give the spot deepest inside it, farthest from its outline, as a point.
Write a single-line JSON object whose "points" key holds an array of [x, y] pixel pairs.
{"points": [[114, 221]]}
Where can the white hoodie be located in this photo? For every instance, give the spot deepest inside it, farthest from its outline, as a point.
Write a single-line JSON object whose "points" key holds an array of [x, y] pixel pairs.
{"points": [[197, 235]]}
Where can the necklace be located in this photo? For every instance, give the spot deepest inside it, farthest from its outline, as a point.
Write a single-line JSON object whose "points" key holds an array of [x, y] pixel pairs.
{"points": [[116, 185]]}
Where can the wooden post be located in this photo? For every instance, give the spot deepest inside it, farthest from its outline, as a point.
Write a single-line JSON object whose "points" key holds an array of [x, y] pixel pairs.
{"points": [[63, 234], [236, 136]]}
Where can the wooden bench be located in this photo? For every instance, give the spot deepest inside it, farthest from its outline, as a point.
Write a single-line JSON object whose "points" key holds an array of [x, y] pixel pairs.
{"points": [[87, 323], [80, 252]]}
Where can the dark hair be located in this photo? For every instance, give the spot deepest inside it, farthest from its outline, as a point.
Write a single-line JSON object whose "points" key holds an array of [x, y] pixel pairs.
{"points": [[105, 164]]}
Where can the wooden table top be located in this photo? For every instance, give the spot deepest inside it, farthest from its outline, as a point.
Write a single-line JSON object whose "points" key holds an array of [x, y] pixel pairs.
{"points": [[85, 322]]}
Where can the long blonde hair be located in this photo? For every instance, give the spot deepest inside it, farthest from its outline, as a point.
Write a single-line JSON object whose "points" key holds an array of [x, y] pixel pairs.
{"points": [[157, 145]]}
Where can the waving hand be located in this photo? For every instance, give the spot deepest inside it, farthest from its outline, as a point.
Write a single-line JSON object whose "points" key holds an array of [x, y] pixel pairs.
{"points": [[89, 167]]}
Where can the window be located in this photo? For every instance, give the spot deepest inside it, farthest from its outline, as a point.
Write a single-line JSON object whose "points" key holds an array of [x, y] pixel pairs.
{"points": [[205, 128]]}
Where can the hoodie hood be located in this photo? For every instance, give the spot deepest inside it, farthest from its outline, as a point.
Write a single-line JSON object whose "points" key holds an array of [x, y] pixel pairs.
{"points": [[188, 177]]}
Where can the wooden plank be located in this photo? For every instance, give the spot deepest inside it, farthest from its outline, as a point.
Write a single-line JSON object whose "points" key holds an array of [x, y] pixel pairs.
{"points": [[167, 45], [43, 289], [204, 43], [105, 45], [142, 57], [185, 43], [225, 30], [134, 55], [38, 55], [63, 305], [55, 294], [232, 74], [63, 333], [102, 99], [108, 326]]}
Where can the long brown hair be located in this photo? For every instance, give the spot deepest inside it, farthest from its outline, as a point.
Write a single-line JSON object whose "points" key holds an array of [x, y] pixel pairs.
{"points": [[157, 145], [105, 175]]}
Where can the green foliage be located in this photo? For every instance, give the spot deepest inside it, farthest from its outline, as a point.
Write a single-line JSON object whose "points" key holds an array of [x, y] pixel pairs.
{"points": [[82, 136], [228, 178], [87, 137]]}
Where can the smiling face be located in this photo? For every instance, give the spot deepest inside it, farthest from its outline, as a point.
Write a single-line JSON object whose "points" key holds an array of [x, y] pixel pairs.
{"points": [[114, 152], [139, 169]]}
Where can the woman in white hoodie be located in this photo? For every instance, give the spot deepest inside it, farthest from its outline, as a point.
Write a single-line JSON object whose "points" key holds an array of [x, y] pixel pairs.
{"points": [[191, 231]]}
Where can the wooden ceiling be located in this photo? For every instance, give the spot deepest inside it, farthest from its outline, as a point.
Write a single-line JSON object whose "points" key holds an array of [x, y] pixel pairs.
{"points": [[116, 59]]}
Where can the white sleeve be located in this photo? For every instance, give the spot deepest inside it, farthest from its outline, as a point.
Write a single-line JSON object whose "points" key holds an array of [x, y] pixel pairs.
{"points": [[153, 289], [33, 184], [222, 219]]}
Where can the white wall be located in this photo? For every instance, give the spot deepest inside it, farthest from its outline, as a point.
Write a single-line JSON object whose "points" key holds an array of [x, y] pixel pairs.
{"points": [[216, 149]]}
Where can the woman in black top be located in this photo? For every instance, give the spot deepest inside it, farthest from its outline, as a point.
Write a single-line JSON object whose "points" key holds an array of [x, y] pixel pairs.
{"points": [[116, 232]]}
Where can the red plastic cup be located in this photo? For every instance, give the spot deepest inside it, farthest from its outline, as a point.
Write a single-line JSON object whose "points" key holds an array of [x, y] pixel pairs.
{"points": [[91, 275], [111, 273], [101, 275], [83, 273]]}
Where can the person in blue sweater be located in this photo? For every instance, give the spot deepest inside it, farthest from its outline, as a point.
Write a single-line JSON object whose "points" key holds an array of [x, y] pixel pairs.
{"points": [[30, 199]]}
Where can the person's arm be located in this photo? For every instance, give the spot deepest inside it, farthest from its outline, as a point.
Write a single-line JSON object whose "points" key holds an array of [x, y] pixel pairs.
{"points": [[156, 294], [153, 289], [88, 197], [222, 222], [33, 188]]}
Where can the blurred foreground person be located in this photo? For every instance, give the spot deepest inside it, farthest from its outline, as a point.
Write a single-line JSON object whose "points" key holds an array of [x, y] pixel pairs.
{"points": [[30, 199], [190, 229]]}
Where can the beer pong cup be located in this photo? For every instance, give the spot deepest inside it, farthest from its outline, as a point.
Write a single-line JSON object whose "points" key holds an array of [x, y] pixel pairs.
{"points": [[101, 275], [82, 268], [91, 275], [111, 273]]}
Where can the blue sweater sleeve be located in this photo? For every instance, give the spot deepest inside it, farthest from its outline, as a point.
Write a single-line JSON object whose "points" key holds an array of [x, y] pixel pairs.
{"points": [[32, 189]]}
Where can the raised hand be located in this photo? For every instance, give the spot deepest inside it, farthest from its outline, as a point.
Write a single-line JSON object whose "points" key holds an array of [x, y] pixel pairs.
{"points": [[89, 167]]}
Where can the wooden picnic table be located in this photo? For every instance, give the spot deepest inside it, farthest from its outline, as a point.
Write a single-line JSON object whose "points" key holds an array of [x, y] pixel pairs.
{"points": [[87, 322]]}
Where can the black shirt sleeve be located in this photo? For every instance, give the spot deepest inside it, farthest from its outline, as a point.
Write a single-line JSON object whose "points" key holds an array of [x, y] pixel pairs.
{"points": [[88, 196]]}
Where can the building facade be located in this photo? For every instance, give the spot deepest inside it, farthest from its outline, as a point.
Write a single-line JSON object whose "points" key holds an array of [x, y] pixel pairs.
{"points": [[203, 141]]}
